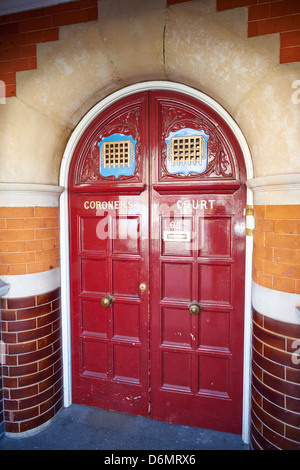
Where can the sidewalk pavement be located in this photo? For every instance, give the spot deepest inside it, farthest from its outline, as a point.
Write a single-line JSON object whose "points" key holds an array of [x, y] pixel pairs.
{"points": [[85, 428]]}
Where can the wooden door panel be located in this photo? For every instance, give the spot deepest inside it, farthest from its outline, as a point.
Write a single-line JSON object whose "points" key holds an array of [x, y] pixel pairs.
{"points": [[214, 237], [176, 281], [112, 365], [94, 277], [201, 259], [214, 329], [176, 327], [109, 199], [215, 284]]}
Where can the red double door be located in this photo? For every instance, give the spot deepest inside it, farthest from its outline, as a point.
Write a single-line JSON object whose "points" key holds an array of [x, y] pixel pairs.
{"points": [[151, 244]]}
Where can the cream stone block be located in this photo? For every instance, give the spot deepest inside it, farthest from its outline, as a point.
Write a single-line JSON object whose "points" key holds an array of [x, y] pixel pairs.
{"points": [[69, 72], [31, 144], [270, 119], [133, 32], [210, 51]]}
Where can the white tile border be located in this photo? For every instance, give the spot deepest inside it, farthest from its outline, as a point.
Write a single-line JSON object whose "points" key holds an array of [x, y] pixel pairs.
{"points": [[280, 306], [29, 195], [276, 189], [27, 285], [64, 233]]}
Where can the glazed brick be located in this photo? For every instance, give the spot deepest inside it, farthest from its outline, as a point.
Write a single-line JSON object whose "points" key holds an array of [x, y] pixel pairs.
{"points": [[257, 371], [280, 441], [18, 371], [268, 419], [261, 441], [35, 378], [268, 365], [9, 382], [255, 395], [293, 404], [293, 375], [173, 2], [22, 415], [50, 381], [290, 54], [36, 399], [34, 356], [50, 339], [284, 8], [283, 212], [21, 349], [50, 403], [273, 25], [284, 329], [27, 425], [23, 393], [47, 319], [46, 298], [9, 338], [224, 4], [29, 237], [11, 90], [278, 356], [282, 386], [50, 360], [267, 337], [12, 427], [256, 422], [8, 315], [275, 385], [257, 345], [289, 39], [34, 334], [293, 433], [21, 303], [34, 312], [282, 414], [35, 24], [284, 255], [268, 393], [33, 372], [17, 326], [258, 12], [276, 257]]}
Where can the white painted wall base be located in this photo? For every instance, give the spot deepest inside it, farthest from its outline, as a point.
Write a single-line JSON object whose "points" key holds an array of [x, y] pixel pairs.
{"points": [[280, 306]]}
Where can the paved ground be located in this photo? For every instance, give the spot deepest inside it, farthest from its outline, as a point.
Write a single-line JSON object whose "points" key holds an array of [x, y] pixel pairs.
{"points": [[84, 428]]}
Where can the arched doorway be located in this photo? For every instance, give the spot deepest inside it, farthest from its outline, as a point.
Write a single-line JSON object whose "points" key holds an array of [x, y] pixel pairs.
{"points": [[160, 228]]}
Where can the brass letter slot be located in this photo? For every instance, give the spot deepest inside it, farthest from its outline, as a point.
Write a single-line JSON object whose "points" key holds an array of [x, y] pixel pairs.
{"points": [[178, 236]]}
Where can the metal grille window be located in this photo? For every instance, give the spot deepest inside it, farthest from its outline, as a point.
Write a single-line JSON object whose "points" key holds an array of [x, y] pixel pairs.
{"points": [[187, 150], [117, 154]]}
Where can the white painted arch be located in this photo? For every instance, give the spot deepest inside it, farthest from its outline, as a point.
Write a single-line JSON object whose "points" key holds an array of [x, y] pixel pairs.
{"points": [[64, 232]]}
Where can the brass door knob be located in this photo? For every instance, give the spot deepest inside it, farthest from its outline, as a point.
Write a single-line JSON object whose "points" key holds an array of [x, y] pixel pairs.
{"points": [[194, 308], [143, 286], [107, 300]]}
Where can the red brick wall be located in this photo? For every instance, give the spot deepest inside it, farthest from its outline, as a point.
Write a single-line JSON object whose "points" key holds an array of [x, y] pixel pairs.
{"points": [[268, 17], [275, 385], [32, 373], [272, 16], [21, 32], [29, 239], [276, 251]]}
